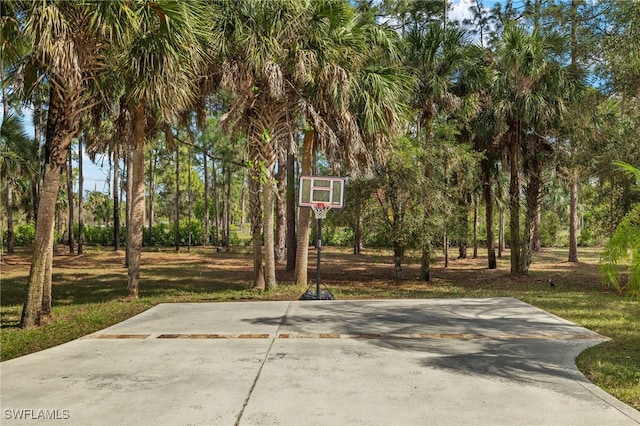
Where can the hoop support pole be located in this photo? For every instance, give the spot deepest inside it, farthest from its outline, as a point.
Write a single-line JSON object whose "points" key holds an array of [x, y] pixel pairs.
{"points": [[319, 248]]}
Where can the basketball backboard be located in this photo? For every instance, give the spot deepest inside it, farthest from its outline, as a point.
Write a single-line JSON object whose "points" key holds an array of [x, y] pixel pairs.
{"points": [[321, 190]]}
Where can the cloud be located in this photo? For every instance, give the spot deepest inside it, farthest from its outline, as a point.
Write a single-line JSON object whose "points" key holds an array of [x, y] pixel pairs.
{"points": [[459, 10]]}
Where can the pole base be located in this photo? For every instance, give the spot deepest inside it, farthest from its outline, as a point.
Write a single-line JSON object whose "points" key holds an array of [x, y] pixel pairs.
{"points": [[311, 295]]}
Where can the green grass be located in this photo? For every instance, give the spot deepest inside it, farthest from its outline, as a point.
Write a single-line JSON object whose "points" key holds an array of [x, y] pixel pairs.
{"points": [[89, 295]]}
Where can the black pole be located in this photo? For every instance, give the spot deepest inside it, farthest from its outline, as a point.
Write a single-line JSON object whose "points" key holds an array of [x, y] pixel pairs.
{"points": [[319, 247]]}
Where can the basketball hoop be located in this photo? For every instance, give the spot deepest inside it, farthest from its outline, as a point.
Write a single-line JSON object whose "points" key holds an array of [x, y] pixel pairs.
{"points": [[320, 210], [321, 193]]}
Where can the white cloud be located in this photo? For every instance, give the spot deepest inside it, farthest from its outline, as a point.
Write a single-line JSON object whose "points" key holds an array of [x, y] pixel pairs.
{"points": [[459, 10]]}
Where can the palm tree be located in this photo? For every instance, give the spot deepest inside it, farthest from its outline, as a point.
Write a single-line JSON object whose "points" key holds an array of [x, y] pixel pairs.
{"points": [[435, 54], [624, 246], [68, 47], [159, 68], [527, 97], [361, 92], [16, 162], [289, 61]]}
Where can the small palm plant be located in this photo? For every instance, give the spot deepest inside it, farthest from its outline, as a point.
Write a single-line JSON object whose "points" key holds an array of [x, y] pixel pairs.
{"points": [[624, 248]]}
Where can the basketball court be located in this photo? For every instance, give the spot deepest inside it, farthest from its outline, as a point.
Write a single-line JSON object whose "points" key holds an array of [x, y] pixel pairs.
{"points": [[381, 362]]}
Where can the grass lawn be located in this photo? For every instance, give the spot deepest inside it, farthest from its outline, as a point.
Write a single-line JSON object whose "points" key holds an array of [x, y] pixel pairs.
{"points": [[88, 295]]}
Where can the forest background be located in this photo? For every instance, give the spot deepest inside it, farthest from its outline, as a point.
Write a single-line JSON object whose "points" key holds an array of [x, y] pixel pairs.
{"points": [[500, 130]]}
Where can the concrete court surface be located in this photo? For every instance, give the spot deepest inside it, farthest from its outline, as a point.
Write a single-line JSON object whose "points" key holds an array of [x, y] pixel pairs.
{"points": [[495, 361]]}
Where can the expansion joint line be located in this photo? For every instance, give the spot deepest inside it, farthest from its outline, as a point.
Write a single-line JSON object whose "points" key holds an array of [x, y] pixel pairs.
{"points": [[264, 361]]}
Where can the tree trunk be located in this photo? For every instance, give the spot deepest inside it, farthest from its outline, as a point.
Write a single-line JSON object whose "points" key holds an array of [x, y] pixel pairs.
{"points": [[152, 195], [176, 223], [425, 256], [62, 126], [216, 201], [281, 211], [573, 220], [116, 199], [80, 199], [10, 232], [136, 224], [425, 260], [537, 244], [189, 208], [534, 164], [70, 239], [501, 236], [128, 199], [47, 290], [269, 237], [256, 227], [207, 221], [357, 226], [123, 126], [487, 189], [463, 225], [514, 207], [243, 199], [475, 228], [224, 212], [291, 213], [304, 214], [445, 246], [398, 256], [227, 209]]}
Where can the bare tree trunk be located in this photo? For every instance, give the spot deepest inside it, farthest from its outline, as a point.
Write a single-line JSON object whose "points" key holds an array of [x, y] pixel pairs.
{"points": [[80, 199], [153, 161], [189, 209], [128, 201], [216, 201], [357, 227], [501, 236], [227, 209], [487, 189], [10, 232], [116, 200], [70, 201], [47, 290], [398, 256], [207, 222], [291, 213], [425, 260], [269, 240], [514, 207], [537, 244], [62, 126], [534, 164], [463, 225], [302, 247], [573, 220], [43, 247], [224, 208], [176, 223], [124, 135], [136, 174], [475, 227], [256, 227], [445, 246], [243, 199], [281, 211]]}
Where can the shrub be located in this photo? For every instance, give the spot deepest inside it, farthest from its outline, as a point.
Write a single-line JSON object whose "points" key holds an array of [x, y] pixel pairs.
{"points": [[24, 234]]}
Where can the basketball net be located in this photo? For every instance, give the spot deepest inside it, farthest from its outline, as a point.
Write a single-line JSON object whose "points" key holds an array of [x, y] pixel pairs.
{"points": [[320, 210]]}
